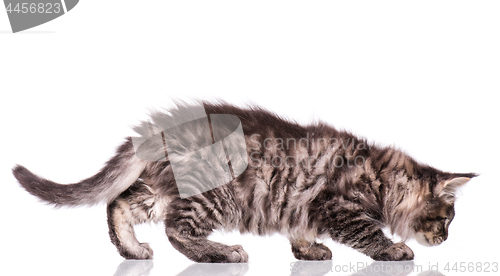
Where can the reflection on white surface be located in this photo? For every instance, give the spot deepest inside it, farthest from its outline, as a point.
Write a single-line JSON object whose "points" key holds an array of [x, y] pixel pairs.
{"points": [[206, 269], [431, 273], [298, 268], [143, 268], [313, 268], [134, 268]]}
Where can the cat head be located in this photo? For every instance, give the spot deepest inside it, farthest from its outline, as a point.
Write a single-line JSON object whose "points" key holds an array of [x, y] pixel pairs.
{"points": [[431, 224]]}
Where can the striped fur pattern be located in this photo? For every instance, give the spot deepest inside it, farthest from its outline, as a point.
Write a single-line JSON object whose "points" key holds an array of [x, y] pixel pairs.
{"points": [[305, 182]]}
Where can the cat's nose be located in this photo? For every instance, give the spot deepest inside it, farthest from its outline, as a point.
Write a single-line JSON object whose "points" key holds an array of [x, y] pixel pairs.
{"points": [[445, 236]]}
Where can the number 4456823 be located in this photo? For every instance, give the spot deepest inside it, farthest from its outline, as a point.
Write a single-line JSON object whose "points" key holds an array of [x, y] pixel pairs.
{"points": [[34, 8], [471, 267]]}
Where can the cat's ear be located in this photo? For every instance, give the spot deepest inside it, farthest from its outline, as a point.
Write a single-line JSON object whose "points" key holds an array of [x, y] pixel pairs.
{"points": [[448, 186]]}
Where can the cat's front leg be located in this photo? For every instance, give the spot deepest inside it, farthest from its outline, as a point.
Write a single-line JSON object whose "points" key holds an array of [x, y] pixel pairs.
{"points": [[396, 252], [357, 230]]}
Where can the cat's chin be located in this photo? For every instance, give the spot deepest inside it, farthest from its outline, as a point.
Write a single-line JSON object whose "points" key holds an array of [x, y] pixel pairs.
{"points": [[421, 239]]}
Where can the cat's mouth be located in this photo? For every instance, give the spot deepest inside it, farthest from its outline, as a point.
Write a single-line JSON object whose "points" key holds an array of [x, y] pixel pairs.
{"points": [[428, 239]]}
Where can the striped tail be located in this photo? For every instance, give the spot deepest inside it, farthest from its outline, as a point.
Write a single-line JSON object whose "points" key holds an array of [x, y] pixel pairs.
{"points": [[119, 173]]}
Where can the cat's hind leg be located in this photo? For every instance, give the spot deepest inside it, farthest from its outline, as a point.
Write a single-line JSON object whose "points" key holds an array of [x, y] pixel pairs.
{"points": [[307, 251], [121, 231], [188, 224]]}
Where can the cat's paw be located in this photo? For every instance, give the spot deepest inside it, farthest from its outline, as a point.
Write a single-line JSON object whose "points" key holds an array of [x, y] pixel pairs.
{"points": [[140, 251], [314, 252], [223, 254], [395, 252], [238, 255], [144, 252]]}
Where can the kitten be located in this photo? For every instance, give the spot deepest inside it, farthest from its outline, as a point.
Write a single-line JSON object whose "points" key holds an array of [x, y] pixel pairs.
{"points": [[305, 182]]}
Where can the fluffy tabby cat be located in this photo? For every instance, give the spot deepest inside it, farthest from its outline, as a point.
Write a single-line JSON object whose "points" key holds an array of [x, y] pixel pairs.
{"points": [[349, 192]]}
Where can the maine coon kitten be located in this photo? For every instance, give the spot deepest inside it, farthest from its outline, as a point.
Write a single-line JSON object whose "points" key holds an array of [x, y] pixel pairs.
{"points": [[305, 182]]}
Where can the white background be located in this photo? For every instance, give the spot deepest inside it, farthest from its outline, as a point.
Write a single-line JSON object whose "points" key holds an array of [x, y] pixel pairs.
{"points": [[422, 75]]}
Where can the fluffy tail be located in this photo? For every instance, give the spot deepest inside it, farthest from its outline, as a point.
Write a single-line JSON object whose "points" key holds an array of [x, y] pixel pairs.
{"points": [[120, 172]]}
